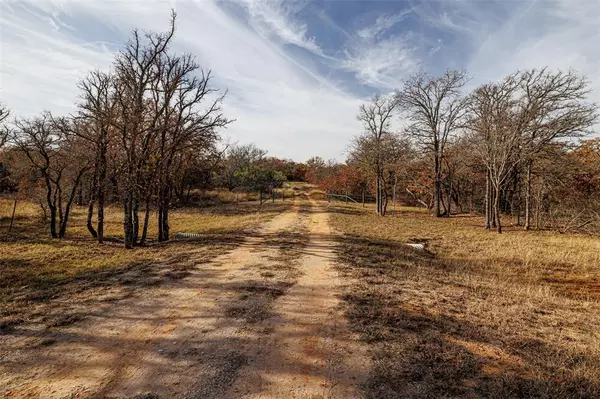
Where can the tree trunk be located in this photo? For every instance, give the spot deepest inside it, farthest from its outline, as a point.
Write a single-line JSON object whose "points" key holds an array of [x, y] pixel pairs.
{"points": [[438, 187], [146, 221], [377, 194], [518, 200], [442, 201], [528, 196], [159, 213], [497, 211], [163, 213], [67, 212], [488, 218], [91, 204], [136, 221], [394, 195], [51, 206], [52, 209], [384, 204], [493, 212], [90, 215], [127, 218], [60, 207], [538, 211], [493, 195], [449, 197], [101, 189], [64, 219], [80, 196]]}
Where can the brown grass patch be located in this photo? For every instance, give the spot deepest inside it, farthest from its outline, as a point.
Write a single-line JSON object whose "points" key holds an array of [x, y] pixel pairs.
{"points": [[256, 300], [35, 268], [477, 316]]}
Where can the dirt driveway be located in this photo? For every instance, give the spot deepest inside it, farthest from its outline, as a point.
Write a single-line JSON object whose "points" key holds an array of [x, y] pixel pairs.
{"points": [[263, 321]]}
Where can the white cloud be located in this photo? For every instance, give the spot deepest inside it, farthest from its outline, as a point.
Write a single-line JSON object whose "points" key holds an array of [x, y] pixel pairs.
{"points": [[39, 65], [378, 57], [382, 25], [282, 106], [290, 102], [382, 64], [559, 35], [277, 18]]}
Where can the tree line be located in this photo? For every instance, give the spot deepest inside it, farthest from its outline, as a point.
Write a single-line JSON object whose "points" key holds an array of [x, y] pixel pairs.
{"points": [[144, 135], [516, 146]]}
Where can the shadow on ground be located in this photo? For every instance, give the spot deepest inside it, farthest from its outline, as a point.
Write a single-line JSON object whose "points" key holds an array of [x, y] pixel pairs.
{"points": [[411, 309]]}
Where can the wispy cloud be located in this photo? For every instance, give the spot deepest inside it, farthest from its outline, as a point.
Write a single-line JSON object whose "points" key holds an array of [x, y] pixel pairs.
{"points": [[383, 64], [40, 62], [277, 19], [382, 25], [380, 56], [278, 103], [295, 71]]}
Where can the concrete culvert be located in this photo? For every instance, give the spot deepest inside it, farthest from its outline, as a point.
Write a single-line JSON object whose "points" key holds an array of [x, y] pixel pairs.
{"points": [[419, 246], [179, 236]]}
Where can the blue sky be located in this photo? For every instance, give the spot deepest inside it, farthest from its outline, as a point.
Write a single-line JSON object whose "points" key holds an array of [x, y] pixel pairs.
{"points": [[295, 71]]}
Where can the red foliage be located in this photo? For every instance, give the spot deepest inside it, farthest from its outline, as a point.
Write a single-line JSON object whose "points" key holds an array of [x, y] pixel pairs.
{"points": [[346, 179]]}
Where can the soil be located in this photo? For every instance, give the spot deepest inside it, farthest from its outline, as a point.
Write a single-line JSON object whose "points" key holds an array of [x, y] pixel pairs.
{"points": [[261, 321]]}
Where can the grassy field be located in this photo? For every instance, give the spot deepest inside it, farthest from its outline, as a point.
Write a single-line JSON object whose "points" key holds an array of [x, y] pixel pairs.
{"points": [[34, 268], [479, 314]]}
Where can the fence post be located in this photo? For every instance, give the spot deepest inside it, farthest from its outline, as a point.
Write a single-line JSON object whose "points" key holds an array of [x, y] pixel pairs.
{"points": [[363, 199]]}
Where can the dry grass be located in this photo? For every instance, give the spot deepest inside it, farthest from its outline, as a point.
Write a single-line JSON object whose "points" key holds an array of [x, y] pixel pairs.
{"points": [[288, 191], [35, 268], [481, 315]]}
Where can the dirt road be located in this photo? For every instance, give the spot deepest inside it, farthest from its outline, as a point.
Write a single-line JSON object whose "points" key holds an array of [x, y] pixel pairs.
{"points": [[262, 321]]}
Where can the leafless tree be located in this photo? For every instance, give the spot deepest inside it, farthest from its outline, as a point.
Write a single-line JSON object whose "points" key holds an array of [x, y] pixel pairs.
{"points": [[384, 156], [4, 130], [58, 160], [495, 120], [435, 108], [376, 117], [136, 76], [166, 106], [554, 107], [191, 121], [96, 111]]}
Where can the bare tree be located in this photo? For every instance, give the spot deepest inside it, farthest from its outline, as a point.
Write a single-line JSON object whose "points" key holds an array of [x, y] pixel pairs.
{"points": [[97, 109], [136, 76], [384, 156], [57, 158], [4, 130], [554, 107], [376, 118], [435, 108], [187, 123], [496, 121], [166, 106]]}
